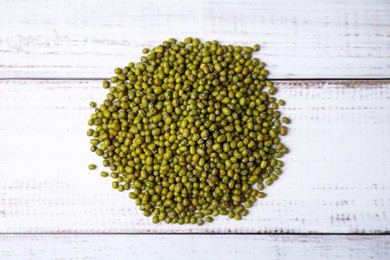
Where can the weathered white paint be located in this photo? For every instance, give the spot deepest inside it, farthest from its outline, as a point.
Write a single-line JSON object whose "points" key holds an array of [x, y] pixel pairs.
{"points": [[336, 176], [195, 247], [300, 39]]}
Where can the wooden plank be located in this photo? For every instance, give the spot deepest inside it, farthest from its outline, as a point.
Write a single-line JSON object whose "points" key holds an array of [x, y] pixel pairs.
{"points": [[336, 177], [193, 247], [305, 39]]}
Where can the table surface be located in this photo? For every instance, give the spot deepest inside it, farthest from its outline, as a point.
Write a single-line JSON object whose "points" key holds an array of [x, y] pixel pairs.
{"points": [[331, 62]]}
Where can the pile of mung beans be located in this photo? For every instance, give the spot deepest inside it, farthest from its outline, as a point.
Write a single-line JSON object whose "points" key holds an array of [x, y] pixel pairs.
{"points": [[191, 132]]}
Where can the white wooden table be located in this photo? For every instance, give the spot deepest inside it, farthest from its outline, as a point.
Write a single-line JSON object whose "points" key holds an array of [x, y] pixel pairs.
{"points": [[331, 62]]}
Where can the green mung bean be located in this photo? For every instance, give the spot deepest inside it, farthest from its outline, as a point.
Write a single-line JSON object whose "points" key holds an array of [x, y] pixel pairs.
{"points": [[92, 166], [104, 174], [286, 120]]}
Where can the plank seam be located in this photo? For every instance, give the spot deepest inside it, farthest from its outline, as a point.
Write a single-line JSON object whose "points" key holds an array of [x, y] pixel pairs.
{"points": [[386, 233], [274, 79]]}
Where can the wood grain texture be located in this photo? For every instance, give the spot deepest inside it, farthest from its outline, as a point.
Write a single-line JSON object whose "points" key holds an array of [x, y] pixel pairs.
{"points": [[336, 177], [195, 247], [300, 39]]}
